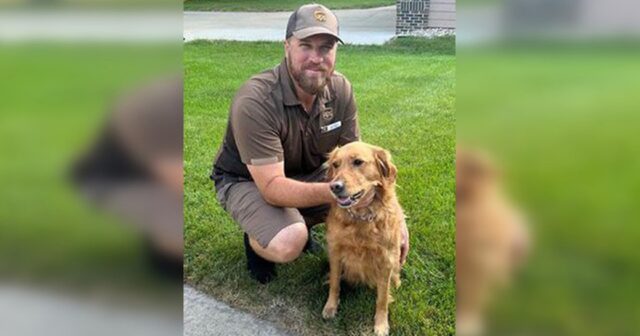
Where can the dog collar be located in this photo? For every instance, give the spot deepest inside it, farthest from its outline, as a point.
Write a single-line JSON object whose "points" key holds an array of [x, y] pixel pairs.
{"points": [[366, 217]]}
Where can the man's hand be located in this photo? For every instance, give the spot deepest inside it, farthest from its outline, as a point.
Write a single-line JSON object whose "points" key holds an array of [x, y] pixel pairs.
{"points": [[404, 244]]}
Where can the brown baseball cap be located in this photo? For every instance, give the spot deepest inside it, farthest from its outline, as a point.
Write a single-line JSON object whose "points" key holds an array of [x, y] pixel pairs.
{"points": [[312, 19]]}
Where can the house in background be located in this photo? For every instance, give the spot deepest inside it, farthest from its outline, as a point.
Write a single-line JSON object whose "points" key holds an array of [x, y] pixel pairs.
{"points": [[416, 16]]}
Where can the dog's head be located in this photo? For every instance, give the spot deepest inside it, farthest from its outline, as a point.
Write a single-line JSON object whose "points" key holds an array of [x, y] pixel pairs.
{"points": [[476, 174], [357, 171]]}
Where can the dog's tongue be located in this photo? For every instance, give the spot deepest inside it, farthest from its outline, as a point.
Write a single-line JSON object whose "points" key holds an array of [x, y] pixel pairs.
{"points": [[344, 202]]}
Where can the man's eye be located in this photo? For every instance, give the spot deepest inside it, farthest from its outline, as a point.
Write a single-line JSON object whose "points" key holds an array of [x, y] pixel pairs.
{"points": [[357, 162]]}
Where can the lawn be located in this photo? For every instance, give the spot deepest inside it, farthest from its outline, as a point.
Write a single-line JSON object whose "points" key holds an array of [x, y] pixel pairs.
{"points": [[563, 118], [405, 93], [274, 6]]}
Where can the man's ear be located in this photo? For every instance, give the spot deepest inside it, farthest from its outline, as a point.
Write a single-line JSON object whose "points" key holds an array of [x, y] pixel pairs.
{"points": [[386, 168]]}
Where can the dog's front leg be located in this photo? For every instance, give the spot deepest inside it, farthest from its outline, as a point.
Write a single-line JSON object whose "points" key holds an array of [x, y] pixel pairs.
{"points": [[381, 326], [335, 270]]}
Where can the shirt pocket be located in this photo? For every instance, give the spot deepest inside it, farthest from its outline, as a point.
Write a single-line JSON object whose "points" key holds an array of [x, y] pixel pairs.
{"points": [[328, 140]]}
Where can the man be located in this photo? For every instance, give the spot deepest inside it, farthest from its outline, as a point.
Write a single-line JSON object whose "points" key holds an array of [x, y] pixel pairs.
{"points": [[269, 173], [134, 169]]}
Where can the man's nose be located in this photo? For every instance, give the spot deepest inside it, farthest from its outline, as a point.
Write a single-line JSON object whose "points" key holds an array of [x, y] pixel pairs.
{"points": [[315, 57], [337, 187]]}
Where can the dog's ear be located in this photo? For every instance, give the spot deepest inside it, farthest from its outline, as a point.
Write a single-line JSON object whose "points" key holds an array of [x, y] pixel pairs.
{"points": [[386, 168], [329, 164]]}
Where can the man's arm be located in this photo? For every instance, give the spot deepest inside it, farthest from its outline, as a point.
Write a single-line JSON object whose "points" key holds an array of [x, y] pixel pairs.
{"points": [[279, 190], [404, 243], [350, 127]]}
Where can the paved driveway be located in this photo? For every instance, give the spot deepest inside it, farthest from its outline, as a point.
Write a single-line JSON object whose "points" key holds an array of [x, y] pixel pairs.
{"points": [[357, 26]]}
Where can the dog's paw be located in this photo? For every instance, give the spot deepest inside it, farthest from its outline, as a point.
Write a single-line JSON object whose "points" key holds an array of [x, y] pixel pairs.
{"points": [[329, 311], [468, 325], [381, 329]]}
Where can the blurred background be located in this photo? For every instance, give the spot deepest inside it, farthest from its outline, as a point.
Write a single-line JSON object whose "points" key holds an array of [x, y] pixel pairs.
{"points": [[549, 89], [90, 167]]}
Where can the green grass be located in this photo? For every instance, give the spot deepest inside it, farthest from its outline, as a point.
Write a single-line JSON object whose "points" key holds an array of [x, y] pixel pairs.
{"points": [[274, 6], [405, 94], [55, 98], [563, 119]]}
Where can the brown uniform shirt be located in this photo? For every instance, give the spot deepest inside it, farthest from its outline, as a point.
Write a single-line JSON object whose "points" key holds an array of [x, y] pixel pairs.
{"points": [[267, 124]]}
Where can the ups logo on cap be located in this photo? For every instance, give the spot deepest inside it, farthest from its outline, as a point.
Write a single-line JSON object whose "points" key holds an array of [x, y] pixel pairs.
{"points": [[320, 16]]}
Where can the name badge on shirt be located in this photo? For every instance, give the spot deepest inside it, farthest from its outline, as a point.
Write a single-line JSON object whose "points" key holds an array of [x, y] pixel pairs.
{"points": [[331, 127]]}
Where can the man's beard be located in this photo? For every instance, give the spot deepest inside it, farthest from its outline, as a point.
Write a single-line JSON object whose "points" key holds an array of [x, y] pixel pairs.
{"points": [[311, 85]]}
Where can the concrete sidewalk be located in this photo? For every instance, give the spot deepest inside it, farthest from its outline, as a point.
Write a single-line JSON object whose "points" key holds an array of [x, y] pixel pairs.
{"points": [[90, 25], [205, 316], [357, 26], [35, 311]]}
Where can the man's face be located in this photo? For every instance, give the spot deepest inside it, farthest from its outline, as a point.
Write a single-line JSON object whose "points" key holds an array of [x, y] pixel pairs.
{"points": [[311, 61]]}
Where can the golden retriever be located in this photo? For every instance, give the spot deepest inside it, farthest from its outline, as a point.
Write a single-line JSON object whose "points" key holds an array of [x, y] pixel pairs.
{"points": [[491, 238], [363, 226]]}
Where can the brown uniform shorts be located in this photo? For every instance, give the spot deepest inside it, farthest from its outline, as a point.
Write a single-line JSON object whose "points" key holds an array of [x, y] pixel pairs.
{"points": [[260, 220]]}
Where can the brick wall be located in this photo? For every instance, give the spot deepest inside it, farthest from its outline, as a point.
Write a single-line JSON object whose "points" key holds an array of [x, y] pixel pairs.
{"points": [[418, 15]]}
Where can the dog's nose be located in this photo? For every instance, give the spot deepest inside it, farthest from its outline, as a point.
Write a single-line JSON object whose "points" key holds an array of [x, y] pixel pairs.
{"points": [[337, 187]]}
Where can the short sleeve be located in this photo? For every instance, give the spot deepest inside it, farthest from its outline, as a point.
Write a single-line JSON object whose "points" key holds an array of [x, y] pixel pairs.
{"points": [[255, 132], [350, 130]]}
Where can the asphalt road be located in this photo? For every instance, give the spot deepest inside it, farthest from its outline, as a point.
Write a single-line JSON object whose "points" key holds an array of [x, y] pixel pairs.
{"points": [[357, 26]]}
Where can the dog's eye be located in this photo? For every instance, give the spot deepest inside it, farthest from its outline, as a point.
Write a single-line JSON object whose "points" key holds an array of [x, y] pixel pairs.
{"points": [[357, 162], [336, 164]]}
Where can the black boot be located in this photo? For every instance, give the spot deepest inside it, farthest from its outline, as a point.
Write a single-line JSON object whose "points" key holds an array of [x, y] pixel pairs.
{"points": [[259, 268], [312, 246]]}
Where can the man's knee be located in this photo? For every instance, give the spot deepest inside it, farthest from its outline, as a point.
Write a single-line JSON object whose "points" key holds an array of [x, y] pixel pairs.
{"points": [[288, 243]]}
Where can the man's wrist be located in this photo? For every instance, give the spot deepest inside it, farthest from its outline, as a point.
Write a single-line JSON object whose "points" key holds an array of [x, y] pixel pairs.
{"points": [[327, 197]]}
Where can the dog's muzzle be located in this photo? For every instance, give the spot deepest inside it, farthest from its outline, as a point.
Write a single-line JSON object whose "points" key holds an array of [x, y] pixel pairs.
{"points": [[343, 199]]}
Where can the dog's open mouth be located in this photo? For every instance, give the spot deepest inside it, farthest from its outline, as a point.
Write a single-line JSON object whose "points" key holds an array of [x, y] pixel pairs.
{"points": [[349, 201]]}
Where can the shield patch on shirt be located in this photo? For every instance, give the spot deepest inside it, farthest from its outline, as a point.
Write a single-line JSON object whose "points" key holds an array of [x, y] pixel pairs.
{"points": [[327, 114]]}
